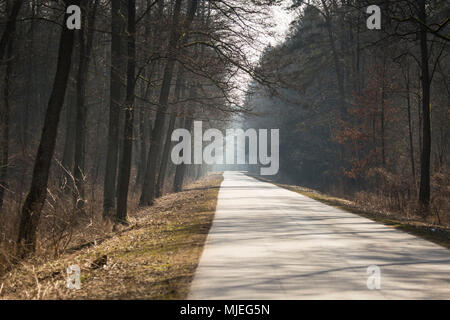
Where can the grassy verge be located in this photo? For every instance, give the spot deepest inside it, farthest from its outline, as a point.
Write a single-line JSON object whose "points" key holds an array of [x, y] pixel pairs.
{"points": [[155, 258], [436, 234]]}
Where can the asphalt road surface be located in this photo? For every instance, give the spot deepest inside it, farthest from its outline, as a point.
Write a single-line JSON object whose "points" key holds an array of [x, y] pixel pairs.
{"points": [[267, 242]]}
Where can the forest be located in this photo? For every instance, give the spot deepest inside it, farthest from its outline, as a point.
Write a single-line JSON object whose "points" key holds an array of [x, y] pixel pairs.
{"points": [[363, 113], [86, 116]]}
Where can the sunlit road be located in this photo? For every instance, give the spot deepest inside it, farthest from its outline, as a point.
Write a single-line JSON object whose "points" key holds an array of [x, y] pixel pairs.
{"points": [[270, 243]]}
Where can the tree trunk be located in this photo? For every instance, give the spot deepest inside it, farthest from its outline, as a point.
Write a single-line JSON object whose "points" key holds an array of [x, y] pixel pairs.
{"points": [[143, 138], [10, 27], [24, 134], [168, 142], [69, 139], [117, 30], [382, 114], [155, 40], [149, 186], [35, 199], [125, 165], [165, 157], [424, 193], [145, 128], [181, 168], [4, 115], [410, 128], [6, 43], [85, 48]]}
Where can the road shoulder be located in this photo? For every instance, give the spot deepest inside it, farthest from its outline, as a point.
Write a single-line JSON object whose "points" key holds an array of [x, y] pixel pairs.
{"points": [[155, 258]]}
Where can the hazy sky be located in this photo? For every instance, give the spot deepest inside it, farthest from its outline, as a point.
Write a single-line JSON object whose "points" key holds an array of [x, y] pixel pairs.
{"points": [[282, 19]]}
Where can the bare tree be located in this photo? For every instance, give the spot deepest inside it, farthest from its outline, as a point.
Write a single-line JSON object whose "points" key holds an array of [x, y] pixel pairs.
{"points": [[85, 39], [31, 210], [179, 86], [117, 30], [4, 123], [149, 186], [125, 165]]}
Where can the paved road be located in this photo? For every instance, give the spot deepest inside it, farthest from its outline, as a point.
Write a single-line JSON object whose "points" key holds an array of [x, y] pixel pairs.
{"points": [[270, 243]]}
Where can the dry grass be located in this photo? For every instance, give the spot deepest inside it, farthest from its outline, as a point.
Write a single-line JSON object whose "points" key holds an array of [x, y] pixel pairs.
{"points": [[412, 224], [154, 258], [61, 225]]}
